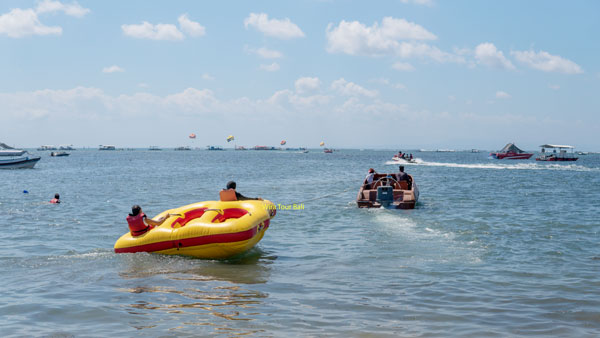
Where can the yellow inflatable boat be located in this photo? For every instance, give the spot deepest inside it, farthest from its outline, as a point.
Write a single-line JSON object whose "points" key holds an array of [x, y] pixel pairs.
{"points": [[211, 229]]}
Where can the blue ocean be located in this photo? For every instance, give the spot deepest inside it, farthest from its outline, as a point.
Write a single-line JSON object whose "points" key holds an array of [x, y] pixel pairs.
{"points": [[495, 248]]}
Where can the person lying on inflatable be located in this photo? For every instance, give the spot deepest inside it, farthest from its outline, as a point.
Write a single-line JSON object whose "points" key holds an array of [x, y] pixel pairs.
{"points": [[139, 224]]}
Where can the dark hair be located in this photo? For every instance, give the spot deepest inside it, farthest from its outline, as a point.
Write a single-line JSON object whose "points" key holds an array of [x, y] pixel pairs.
{"points": [[371, 170], [231, 185], [135, 210], [57, 196], [401, 168]]}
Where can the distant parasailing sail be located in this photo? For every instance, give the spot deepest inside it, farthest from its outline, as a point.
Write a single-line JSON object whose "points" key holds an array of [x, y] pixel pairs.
{"points": [[192, 135], [322, 143], [283, 142], [230, 138]]}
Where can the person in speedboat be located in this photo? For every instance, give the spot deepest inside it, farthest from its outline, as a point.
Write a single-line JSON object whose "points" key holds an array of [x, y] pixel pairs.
{"points": [[369, 178]]}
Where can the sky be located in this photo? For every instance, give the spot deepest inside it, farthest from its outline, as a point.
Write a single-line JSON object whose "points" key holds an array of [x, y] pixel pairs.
{"points": [[395, 74]]}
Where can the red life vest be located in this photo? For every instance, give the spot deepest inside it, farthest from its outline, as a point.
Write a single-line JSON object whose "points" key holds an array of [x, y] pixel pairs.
{"points": [[54, 201], [137, 226]]}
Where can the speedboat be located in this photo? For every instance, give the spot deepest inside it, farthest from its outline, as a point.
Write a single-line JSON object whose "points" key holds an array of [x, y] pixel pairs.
{"points": [[59, 153], [107, 147], [561, 156], [387, 192], [210, 230], [403, 159], [328, 151], [19, 162], [511, 152]]}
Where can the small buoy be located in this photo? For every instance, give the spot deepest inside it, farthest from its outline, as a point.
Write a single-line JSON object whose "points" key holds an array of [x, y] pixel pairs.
{"points": [[25, 192]]}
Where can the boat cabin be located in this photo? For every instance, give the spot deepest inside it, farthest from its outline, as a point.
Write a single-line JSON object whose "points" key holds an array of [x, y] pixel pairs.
{"points": [[388, 191], [556, 153]]}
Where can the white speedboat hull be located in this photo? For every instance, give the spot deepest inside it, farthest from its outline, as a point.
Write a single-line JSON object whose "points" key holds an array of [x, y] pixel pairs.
{"points": [[19, 163]]}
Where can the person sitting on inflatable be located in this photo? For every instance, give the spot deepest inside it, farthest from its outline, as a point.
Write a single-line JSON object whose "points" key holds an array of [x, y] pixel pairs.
{"points": [[56, 199], [139, 224], [229, 194]]}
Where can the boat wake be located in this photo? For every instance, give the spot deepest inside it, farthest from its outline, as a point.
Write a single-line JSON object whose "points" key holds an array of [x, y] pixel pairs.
{"points": [[516, 166], [425, 243]]}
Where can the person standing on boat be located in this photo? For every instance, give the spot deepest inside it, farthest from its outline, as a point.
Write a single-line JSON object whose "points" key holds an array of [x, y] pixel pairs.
{"points": [[56, 199], [139, 224], [369, 178], [229, 194]]}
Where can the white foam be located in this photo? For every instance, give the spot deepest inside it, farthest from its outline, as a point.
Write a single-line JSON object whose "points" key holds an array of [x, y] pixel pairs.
{"points": [[511, 166]]}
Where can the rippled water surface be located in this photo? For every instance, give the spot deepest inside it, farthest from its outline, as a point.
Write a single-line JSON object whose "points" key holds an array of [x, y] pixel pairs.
{"points": [[494, 248]]}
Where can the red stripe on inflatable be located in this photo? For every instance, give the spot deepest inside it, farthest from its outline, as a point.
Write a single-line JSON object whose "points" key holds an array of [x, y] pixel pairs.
{"points": [[189, 242]]}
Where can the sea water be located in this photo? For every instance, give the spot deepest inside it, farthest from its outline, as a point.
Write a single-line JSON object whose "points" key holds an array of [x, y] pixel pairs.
{"points": [[494, 248]]}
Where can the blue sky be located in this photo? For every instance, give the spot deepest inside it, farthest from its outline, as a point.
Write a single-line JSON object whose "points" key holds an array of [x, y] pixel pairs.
{"points": [[389, 74]]}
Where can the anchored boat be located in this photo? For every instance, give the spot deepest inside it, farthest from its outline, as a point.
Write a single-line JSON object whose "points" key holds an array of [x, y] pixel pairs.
{"points": [[211, 229], [388, 192], [561, 156]]}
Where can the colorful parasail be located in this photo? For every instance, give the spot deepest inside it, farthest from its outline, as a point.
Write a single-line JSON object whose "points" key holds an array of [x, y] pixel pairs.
{"points": [[322, 143], [230, 138], [192, 135], [283, 142]]}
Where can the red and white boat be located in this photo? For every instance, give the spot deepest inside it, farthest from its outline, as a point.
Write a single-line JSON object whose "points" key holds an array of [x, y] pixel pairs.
{"points": [[511, 152], [561, 156]]}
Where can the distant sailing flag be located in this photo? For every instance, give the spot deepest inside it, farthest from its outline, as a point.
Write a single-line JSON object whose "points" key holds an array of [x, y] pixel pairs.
{"points": [[230, 138], [192, 135], [322, 144], [283, 142]]}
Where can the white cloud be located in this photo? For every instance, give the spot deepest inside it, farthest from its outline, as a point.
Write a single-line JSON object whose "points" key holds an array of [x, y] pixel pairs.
{"points": [[487, 54], [554, 86], [351, 89], [452, 98], [356, 38], [147, 30], [208, 77], [307, 84], [282, 29], [190, 27], [386, 82], [72, 9], [502, 95], [403, 66], [19, 23], [547, 62], [266, 53], [270, 68], [113, 69]]}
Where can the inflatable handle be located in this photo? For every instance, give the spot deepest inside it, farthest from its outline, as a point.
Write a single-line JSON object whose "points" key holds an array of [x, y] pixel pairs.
{"points": [[217, 210]]}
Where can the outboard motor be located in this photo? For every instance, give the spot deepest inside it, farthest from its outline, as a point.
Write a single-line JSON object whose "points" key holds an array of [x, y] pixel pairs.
{"points": [[385, 195]]}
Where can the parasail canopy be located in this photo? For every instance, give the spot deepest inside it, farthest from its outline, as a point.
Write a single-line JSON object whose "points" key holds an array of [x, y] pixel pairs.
{"points": [[230, 138], [192, 135], [283, 142], [322, 143]]}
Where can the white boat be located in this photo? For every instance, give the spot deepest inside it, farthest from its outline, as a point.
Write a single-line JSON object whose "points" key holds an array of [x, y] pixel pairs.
{"points": [[183, 148], [12, 152], [107, 147], [19, 163], [66, 147], [47, 147], [59, 153]]}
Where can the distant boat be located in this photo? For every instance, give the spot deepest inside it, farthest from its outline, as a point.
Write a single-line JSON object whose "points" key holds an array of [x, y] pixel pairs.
{"points": [[582, 153], [475, 150], [107, 147], [445, 151], [240, 148], [213, 148], [561, 156], [305, 151], [183, 148], [328, 151], [66, 147], [154, 148], [511, 152], [264, 148], [59, 153], [46, 147], [295, 149]]}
